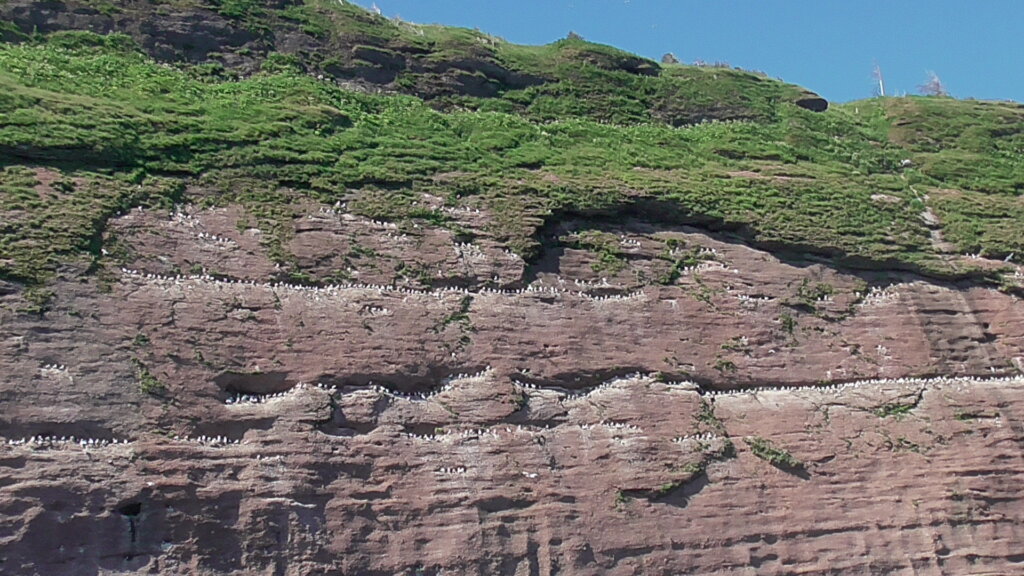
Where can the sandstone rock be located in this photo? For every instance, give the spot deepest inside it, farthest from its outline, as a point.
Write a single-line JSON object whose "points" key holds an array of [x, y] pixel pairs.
{"points": [[470, 425], [350, 396]]}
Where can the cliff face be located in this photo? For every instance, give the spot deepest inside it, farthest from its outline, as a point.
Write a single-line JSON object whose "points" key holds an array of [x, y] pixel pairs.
{"points": [[549, 419], [289, 288]]}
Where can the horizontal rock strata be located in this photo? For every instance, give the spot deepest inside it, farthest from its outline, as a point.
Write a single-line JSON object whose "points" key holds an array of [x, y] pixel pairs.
{"points": [[189, 409]]}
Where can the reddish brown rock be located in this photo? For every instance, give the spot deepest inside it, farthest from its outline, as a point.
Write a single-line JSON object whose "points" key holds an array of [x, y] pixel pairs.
{"points": [[478, 417]]}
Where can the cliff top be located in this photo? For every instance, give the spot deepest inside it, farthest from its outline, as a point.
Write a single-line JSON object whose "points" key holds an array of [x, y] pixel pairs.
{"points": [[110, 105]]}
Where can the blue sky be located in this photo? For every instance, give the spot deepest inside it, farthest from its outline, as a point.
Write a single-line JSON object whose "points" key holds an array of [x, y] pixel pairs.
{"points": [[830, 46]]}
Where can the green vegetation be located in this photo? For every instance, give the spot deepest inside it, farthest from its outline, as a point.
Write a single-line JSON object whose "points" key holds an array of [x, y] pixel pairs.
{"points": [[723, 365], [37, 300], [810, 294], [459, 316], [970, 416], [788, 323], [147, 383], [702, 292], [706, 420], [621, 498], [90, 126], [737, 344], [667, 488], [604, 245], [693, 471], [896, 410], [460, 319], [765, 450], [680, 260]]}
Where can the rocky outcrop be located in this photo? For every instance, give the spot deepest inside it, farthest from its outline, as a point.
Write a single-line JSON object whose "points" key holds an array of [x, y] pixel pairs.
{"points": [[166, 33], [197, 34], [368, 53], [640, 399]]}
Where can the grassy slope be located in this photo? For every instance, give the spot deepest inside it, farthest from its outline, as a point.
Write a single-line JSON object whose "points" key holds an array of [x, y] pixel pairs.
{"points": [[124, 130], [573, 77]]}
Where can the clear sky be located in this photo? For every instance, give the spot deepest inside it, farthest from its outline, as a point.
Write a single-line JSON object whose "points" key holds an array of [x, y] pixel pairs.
{"points": [[830, 46]]}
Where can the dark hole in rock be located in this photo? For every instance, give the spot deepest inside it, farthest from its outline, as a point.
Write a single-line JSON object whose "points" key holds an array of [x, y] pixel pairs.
{"points": [[258, 383], [233, 429], [79, 429], [414, 380], [813, 103], [130, 509]]}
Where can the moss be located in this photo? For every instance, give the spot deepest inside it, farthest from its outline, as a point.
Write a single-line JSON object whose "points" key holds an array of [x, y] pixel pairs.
{"points": [[810, 293], [723, 365], [788, 324], [667, 488], [896, 410], [621, 498], [459, 316], [695, 468], [706, 417], [767, 451], [147, 383], [37, 300]]}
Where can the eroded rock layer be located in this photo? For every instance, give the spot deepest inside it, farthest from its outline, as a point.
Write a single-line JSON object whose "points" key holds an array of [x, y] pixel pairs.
{"points": [[421, 405]]}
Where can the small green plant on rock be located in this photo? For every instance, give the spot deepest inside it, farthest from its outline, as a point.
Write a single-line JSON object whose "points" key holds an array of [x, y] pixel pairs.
{"points": [[706, 419], [896, 410], [765, 450], [967, 416], [38, 300], [667, 488], [788, 324], [811, 295], [460, 316], [604, 245], [737, 344], [148, 384], [695, 468], [621, 498], [723, 365]]}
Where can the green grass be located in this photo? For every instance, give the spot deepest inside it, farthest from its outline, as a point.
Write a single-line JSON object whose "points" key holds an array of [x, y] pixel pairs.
{"points": [[605, 247], [115, 129], [767, 451]]}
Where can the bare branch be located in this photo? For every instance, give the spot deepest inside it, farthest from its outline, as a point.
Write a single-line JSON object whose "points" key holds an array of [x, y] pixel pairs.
{"points": [[933, 87]]}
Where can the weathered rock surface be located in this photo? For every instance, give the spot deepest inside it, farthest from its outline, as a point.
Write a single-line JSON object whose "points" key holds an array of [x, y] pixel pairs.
{"points": [[364, 56], [196, 34], [425, 406]]}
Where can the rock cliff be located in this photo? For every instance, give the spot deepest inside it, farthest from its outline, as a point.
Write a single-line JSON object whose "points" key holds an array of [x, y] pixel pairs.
{"points": [[572, 424], [315, 338]]}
